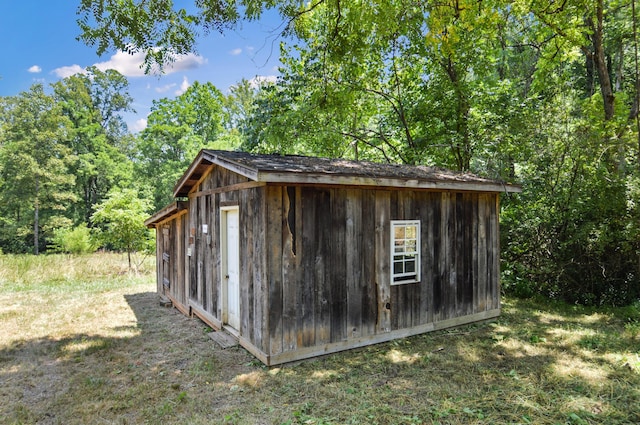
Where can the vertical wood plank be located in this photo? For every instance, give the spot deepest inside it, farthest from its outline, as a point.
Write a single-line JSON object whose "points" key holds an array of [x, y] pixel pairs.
{"points": [[191, 247], [482, 252], [474, 252], [261, 260], [355, 257], [464, 290], [246, 208], [468, 252], [297, 275], [368, 285], [337, 270], [382, 252], [216, 258], [323, 266], [495, 253], [423, 206], [206, 248], [179, 264], [199, 255], [160, 250], [184, 273], [437, 289], [448, 257], [458, 265], [289, 267], [398, 306], [274, 241], [307, 292]]}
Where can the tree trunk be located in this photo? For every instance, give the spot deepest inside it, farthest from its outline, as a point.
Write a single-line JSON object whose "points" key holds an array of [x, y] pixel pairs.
{"points": [[462, 147], [599, 58], [36, 221]]}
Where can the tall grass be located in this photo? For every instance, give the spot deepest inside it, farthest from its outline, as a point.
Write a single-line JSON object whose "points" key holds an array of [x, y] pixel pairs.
{"points": [[64, 272]]}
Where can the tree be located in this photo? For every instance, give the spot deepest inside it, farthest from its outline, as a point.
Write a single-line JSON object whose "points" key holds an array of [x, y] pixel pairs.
{"points": [[176, 131], [121, 219], [35, 169], [161, 31], [94, 101], [238, 109], [545, 92]]}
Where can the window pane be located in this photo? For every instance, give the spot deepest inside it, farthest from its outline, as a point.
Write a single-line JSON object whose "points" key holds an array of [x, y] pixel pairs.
{"points": [[410, 266], [405, 256], [397, 268], [411, 245]]}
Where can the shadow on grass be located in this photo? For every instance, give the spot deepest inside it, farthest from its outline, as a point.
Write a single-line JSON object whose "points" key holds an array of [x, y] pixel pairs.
{"points": [[533, 365], [122, 372]]}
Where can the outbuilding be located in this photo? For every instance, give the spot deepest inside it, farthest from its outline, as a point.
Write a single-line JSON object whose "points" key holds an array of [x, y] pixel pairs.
{"points": [[297, 257]]}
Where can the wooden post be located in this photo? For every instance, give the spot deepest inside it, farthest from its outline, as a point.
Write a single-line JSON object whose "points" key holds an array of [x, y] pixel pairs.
{"points": [[382, 253]]}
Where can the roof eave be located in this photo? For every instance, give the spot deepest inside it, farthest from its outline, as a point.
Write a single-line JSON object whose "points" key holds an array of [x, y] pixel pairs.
{"points": [[201, 165], [165, 213], [349, 180]]}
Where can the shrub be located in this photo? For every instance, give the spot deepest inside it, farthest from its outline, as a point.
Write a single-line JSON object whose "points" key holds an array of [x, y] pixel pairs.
{"points": [[77, 240]]}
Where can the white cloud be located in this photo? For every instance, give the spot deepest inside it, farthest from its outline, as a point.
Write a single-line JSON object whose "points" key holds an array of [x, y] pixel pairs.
{"points": [[138, 126], [165, 88], [235, 52], [185, 62], [68, 71], [35, 69], [131, 65], [126, 64], [183, 87]]}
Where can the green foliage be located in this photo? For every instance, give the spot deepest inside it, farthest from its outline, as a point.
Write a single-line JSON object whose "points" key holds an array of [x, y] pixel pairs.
{"points": [[176, 131], [35, 169], [542, 93], [121, 219], [93, 103], [59, 156], [77, 240], [572, 234]]}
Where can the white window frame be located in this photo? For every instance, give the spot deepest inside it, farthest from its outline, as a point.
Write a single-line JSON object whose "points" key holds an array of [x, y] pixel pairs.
{"points": [[403, 254]]}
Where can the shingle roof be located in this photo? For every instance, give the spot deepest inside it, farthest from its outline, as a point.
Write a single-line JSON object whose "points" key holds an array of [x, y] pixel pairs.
{"points": [[294, 169]]}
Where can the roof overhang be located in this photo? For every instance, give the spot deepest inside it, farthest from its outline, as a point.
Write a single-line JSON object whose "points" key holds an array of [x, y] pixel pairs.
{"points": [[349, 180], [166, 213], [206, 158]]}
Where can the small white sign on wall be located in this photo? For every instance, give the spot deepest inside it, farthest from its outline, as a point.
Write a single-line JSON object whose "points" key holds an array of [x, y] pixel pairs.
{"points": [[205, 228]]}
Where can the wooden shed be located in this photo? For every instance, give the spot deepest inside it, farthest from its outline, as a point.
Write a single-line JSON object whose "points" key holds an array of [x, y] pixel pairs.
{"points": [[298, 257]]}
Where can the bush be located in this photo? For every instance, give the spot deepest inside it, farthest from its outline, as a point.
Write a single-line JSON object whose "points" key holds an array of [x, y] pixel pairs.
{"points": [[77, 240]]}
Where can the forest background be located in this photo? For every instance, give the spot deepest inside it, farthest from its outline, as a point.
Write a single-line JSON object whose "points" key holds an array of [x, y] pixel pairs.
{"points": [[542, 93]]}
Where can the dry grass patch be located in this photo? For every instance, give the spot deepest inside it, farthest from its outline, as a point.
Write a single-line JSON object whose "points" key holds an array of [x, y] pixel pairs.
{"points": [[94, 346]]}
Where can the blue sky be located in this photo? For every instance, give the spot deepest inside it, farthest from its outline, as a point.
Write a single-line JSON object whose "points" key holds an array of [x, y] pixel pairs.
{"points": [[38, 44]]}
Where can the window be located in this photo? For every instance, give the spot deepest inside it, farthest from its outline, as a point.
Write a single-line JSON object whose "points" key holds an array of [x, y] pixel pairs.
{"points": [[405, 255]]}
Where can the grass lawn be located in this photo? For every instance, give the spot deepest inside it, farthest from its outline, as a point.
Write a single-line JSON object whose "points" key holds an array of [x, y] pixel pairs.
{"points": [[82, 341]]}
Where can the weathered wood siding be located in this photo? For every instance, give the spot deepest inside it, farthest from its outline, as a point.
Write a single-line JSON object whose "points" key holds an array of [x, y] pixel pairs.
{"points": [[170, 259], [328, 266], [315, 262], [204, 241]]}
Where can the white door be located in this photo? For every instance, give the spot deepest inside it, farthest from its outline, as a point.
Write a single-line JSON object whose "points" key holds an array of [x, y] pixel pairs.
{"points": [[231, 266]]}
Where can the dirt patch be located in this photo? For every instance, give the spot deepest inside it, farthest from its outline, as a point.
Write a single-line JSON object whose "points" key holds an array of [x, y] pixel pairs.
{"points": [[112, 350]]}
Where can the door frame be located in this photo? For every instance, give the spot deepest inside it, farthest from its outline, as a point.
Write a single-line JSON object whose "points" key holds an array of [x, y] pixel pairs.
{"points": [[224, 257]]}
